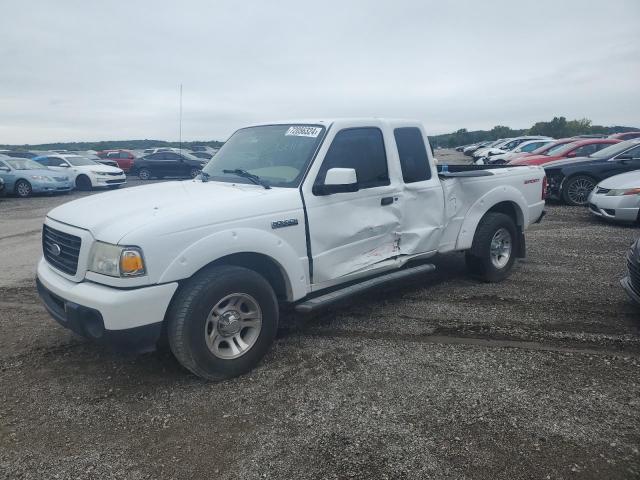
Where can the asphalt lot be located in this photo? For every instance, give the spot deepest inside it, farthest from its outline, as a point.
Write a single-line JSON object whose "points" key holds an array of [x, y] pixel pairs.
{"points": [[537, 377]]}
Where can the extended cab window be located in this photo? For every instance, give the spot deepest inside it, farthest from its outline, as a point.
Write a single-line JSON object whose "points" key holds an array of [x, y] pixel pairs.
{"points": [[361, 149], [413, 155]]}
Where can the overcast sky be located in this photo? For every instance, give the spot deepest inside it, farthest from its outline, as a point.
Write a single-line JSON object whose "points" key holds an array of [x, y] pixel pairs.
{"points": [[102, 70]]}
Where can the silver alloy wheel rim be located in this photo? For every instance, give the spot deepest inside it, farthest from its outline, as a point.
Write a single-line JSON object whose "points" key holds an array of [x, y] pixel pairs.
{"points": [[233, 326], [579, 190], [23, 189], [144, 175], [501, 248], [195, 173]]}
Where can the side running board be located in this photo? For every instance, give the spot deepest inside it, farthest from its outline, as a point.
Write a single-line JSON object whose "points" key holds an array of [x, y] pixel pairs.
{"points": [[327, 299]]}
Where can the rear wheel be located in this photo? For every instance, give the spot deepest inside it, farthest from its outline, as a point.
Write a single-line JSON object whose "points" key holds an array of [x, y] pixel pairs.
{"points": [[492, 253], [83, 183], [576, 190], [144, 174], [222, 322], [23, 189]]}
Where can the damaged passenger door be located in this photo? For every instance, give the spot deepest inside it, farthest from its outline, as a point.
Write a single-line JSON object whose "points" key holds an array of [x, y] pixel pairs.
{"points": [[353, 211]]}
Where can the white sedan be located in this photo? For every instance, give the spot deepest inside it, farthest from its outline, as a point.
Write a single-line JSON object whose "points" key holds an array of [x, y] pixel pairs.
{"points": [[617, 198], [87, 173]]}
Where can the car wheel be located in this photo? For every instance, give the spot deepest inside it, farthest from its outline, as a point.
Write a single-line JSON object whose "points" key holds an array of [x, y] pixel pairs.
{"points": [[144, 174], [492, 252], [23, 189], [194, 172], [83, 183], [222, 322], [576, 190]]}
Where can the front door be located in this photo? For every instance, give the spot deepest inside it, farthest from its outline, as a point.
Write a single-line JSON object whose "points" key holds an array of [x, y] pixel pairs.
{"points": [[351, 232]]}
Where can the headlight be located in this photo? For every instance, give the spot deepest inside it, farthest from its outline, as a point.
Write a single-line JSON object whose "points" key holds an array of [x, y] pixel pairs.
{"points": [[116, 261], [623, 191], [97, 173], [42, 178]]}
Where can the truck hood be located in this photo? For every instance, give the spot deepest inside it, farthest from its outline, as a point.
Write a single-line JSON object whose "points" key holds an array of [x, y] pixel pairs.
{"points": [[174, 205]]}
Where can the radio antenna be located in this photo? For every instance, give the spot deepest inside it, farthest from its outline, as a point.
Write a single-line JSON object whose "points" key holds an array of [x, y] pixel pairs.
{"points": [[180, 132]]}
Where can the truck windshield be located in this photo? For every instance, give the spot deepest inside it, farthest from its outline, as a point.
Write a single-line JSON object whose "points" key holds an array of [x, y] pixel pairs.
{"points": [[277, 154]]}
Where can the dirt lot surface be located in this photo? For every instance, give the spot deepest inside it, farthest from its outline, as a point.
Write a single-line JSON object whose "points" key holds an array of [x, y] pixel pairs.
{"points": [[537, 377]]}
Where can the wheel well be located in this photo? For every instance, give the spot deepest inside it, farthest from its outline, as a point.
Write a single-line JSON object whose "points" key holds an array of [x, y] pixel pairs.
{"points": [[265, 266], [511, 209], [83, 177], [15, 185]]}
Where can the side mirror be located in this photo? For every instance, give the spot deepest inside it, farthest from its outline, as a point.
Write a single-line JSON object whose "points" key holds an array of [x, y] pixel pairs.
{"points": [[338, 180], [65, 165], [571, 154]]}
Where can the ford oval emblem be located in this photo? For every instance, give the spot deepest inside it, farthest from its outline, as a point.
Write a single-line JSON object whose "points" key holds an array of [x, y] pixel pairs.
{"points": [[55, 249]]}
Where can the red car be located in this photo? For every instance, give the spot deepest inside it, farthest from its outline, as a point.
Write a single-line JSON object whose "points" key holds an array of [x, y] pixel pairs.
{"points": [[577, 148], [124, 158]]}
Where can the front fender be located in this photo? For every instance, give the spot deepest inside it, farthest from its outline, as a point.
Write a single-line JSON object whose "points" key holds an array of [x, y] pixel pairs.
{"points": [[500, 194], [240, 240]]}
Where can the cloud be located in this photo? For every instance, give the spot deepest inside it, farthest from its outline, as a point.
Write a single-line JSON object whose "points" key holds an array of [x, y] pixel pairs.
{"points": [[77, 70]]}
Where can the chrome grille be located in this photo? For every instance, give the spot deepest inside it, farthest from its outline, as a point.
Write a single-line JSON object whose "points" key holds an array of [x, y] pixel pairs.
{"points": [[61, 249]]}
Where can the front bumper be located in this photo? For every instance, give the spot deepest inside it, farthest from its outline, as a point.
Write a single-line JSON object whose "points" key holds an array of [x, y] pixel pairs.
{"points": [[623, 208], [51, 187], [108, 181], [129, 318]]}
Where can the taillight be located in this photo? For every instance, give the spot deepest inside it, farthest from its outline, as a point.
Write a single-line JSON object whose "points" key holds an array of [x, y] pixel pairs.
{"points": [[544, 187]]}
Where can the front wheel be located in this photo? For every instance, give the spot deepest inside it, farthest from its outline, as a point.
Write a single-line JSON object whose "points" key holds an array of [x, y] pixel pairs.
{"points": [[222, 322], [83, 183], [23, 189], [144, 174], [576, 190], [492, 253]]}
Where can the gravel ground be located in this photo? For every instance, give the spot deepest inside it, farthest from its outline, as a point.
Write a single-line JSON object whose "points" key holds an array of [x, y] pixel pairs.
{"points": [[537, 377]]}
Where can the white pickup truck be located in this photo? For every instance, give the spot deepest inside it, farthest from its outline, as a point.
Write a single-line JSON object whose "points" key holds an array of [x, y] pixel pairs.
{"points": [[298, 213]]}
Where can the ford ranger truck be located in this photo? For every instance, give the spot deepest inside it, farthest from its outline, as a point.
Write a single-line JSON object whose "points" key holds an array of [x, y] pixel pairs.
{"points": [[298, 213]]}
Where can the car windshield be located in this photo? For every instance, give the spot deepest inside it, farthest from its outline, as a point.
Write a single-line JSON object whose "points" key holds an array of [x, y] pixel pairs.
{"points": [[23, 164], [614, 149], [278, 154], [78, 161], [560, 149], [544, 148]]}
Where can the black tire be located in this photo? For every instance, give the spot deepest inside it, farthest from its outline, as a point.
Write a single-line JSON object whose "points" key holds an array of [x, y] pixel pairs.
{"points": [[479, 259], [83, 183], [188, 315], [22, 189], [576, 190], [144, 174]]}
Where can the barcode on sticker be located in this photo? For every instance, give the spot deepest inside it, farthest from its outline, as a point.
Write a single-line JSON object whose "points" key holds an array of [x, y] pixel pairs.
{"points": [[304, 131]]}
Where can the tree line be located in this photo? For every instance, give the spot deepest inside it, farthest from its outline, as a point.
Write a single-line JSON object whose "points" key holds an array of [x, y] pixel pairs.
{"points": [[559, 127], [111, 144]]}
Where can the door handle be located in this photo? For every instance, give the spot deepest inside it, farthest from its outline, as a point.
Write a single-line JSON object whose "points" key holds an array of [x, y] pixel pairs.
{"points": [[386, 201]]}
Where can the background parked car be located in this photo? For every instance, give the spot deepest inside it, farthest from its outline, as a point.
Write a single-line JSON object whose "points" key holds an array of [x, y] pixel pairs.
{"points": [[625, 135], [579, 148], [124, 158], [572, 180], [20, 154], [23, 177], [87, 174], [617, 198], [202, 155], [507, 146], [525, 147], [168, 164]]}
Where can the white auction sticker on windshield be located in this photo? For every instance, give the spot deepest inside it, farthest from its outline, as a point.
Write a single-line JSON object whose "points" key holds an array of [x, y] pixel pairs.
{"points": [[302, 131]]}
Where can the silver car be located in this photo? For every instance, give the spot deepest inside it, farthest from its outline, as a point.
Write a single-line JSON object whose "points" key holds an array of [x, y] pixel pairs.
{"points": [[617, 198]]}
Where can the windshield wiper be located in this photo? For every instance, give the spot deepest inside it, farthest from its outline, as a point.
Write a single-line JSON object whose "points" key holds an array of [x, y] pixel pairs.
{"points": [[249, 176]]}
